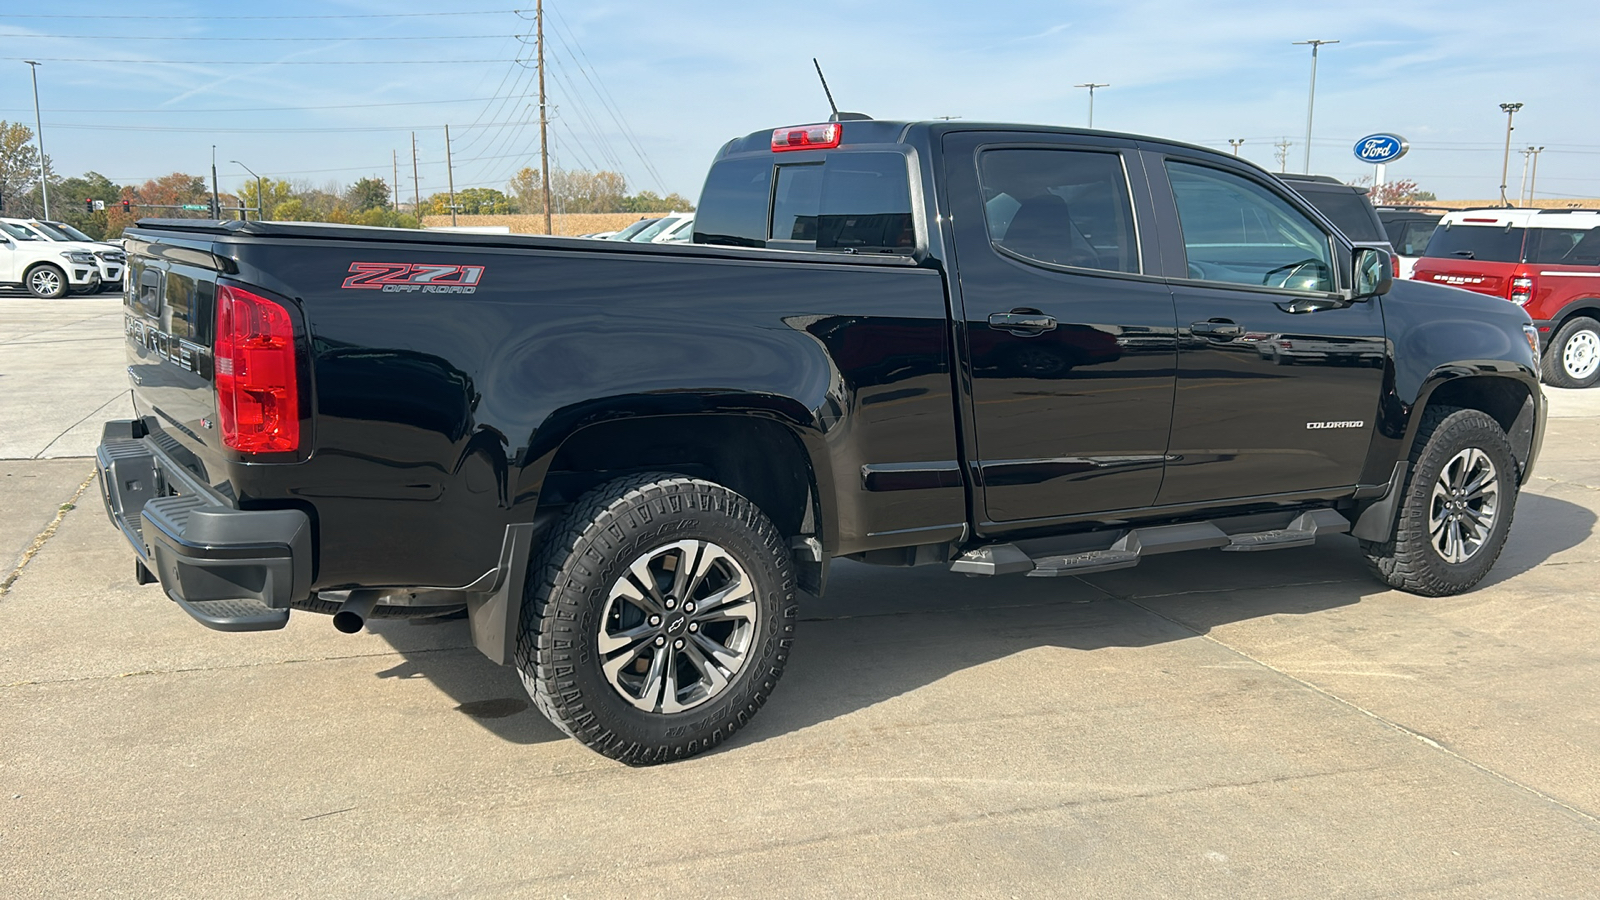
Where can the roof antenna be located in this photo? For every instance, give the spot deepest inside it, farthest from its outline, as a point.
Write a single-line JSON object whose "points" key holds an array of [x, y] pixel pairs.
{"points": [[837, 116]]}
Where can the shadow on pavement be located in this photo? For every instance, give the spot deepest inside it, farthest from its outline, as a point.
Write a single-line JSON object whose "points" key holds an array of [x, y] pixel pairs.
{"points": [[883, 632]]}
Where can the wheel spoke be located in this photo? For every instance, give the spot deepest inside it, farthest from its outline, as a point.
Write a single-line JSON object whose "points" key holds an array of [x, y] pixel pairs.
{"points": [[713, 606], [669, 693], [708, 558], [612, 642], [644, 586], [726, 657], [613, 667], [712, 673], [654, 680]]}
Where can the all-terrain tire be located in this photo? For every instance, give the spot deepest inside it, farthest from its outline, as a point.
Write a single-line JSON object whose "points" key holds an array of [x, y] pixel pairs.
{"points": [[1411, 560], [1573, 358], [593, 557], [47, 282]]}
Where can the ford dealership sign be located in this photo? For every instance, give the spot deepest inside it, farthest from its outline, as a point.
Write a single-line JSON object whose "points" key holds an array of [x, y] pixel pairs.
{"points": [[1381, 148]]}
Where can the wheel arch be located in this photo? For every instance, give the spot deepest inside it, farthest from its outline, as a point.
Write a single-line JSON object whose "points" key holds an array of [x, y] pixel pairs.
{"points": [[1509, 396]]}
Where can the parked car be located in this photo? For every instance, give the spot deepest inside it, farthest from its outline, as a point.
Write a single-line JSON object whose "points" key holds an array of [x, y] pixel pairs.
{"points": [[659, 227], [1345, 205], [1003, 349], [1409, 230], [1546, 261], [110, 259], [45, 268], [627, 234], [680, 232]]}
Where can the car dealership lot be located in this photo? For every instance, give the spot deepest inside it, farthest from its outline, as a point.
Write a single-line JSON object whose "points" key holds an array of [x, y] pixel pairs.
{"points": [[1207, 724]]}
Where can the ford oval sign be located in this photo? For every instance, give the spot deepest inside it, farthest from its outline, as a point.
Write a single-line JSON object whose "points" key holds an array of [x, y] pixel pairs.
{"points": [[1381, 148]]}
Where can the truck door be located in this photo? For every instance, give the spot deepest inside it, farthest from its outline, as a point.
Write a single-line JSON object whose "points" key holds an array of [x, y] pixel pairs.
{"points": [[1278, 380], [1067, 325]]}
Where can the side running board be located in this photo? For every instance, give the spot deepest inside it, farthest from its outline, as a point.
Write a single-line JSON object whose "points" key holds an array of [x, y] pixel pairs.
{"points": [[1008, 559]]}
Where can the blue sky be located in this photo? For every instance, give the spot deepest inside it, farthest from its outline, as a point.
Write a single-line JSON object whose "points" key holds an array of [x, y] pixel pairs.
{"points": [[655, 88]]}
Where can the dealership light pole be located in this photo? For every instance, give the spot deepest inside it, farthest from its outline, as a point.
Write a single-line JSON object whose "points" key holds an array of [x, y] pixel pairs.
{"points": [[261, 191], [1091, 86], [38, 124], [1510, 109], [1311, 101], [1534, 178], [1234, 143]]}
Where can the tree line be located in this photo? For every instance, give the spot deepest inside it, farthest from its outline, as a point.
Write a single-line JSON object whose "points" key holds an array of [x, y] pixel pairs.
{"points": [[367, 201]]}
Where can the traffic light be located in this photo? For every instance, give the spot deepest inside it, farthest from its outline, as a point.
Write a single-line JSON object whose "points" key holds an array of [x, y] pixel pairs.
{"points": [[125, 206], [88, 204]]}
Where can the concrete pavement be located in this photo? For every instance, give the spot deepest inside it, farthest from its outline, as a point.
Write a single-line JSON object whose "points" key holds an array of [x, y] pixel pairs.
{"points": [[1204, 725], [61, 374]]}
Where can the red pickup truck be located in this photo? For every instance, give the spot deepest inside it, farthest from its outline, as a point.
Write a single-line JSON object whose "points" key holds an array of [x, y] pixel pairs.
{"points": [[1546, 261]]}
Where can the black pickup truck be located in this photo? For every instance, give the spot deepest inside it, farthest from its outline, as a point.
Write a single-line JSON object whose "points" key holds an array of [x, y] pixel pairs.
{"points": [[1001, 349]]}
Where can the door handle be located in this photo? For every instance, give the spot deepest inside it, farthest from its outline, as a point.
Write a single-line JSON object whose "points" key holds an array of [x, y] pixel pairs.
{"points": [[1023, 322], [1217, 329]]}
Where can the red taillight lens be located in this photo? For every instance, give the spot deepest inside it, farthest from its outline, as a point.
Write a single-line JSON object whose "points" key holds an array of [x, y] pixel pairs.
{"points": [[258, 394], [807, 137], [1522, 289]]}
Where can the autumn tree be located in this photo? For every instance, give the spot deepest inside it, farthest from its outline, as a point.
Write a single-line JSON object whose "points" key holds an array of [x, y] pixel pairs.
{"points": [[526, 191], [368, 193], [19, 171]]}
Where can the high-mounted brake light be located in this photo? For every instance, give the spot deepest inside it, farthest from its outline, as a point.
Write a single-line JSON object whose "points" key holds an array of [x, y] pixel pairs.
{"points": [[807, 137], [258, 394], [1490, 221]]}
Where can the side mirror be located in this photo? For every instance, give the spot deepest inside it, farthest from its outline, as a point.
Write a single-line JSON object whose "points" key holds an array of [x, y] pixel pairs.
{"points": [[1374, 273]]}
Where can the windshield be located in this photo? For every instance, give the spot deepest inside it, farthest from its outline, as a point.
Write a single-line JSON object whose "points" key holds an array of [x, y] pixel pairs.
{"points": [[655, 228], [1485, 243], [631, 230], [18, 232], [67, 232]]}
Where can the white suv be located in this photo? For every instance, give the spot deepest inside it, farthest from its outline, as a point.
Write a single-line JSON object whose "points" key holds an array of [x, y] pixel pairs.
{"points": [[109, 257], [45, 269]]}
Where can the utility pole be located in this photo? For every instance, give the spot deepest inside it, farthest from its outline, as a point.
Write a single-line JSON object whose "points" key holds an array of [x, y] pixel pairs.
{"points": [[1534, 178], [261, 194], [38, 124], [1283, 154], [216, 205], [1311, 101], [416, 184], [1091, 86], [394, 186], [1510, 109], [450, 174], [1522, 191], [1235, 145], [544, 152]]}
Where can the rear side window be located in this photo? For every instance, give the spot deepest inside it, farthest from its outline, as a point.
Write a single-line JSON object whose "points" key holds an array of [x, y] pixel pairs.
{"points": [[1484, 243], [733, 203], [851, 201], [1350, 211], [1066, 207], [1564, 246], [1412, 237]]}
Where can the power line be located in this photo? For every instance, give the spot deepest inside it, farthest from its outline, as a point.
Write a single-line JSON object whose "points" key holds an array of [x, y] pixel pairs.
{"points": [[478, 12], [208, 38], [263, 62], [234, 109]]}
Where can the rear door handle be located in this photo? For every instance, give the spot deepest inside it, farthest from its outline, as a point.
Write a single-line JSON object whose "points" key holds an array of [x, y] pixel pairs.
{"points": [[1023, 322], [1217, 329]]}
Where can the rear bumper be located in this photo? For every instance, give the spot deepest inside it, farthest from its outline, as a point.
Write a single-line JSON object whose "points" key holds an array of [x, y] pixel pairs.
{"points": [[231, 569]]}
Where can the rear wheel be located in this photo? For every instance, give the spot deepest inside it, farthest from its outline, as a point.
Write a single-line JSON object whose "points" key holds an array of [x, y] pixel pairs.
{"points": [[1457, 507], [659, 618], [46, 282], [1573, 358]]}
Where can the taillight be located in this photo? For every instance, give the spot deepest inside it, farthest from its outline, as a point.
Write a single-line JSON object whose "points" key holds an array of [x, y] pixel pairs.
{"points": [[807, 137], [1522, 289], [258, 395]]}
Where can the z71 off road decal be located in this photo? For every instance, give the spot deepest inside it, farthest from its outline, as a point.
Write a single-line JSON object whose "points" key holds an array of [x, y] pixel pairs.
{"points": [[425, 278]]}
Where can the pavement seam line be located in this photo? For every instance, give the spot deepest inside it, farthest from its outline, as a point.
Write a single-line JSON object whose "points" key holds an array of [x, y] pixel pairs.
{"points": [[44, 536], [1415, 735], [189, 670], [86, 418]]}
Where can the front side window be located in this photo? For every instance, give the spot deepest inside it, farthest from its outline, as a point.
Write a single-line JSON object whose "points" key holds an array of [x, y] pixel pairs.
{"points": [[1238, 231], [1064, 207], [859, 202]]}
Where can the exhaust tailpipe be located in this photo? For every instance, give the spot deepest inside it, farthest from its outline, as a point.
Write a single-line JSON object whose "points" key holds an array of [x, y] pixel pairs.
{"points": [[355, 610]]}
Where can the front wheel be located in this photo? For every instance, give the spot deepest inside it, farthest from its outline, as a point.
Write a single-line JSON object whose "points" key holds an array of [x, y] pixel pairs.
{"points": [[1456, 511], [658, 618], [46, 282], [1573, 358]]}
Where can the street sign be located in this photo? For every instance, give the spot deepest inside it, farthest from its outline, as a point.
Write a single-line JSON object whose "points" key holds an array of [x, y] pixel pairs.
{"points": [[198, 207], [99, 206], [1378, 149]]}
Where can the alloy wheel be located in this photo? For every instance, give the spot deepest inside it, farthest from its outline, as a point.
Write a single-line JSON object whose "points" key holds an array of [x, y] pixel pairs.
{"points": [[1464, 506], [677, 627], [44, 282]]}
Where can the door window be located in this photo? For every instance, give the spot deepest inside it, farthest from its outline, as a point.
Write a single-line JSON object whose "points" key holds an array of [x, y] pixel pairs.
{"points": [[1237, 231], [1064, 207]]}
